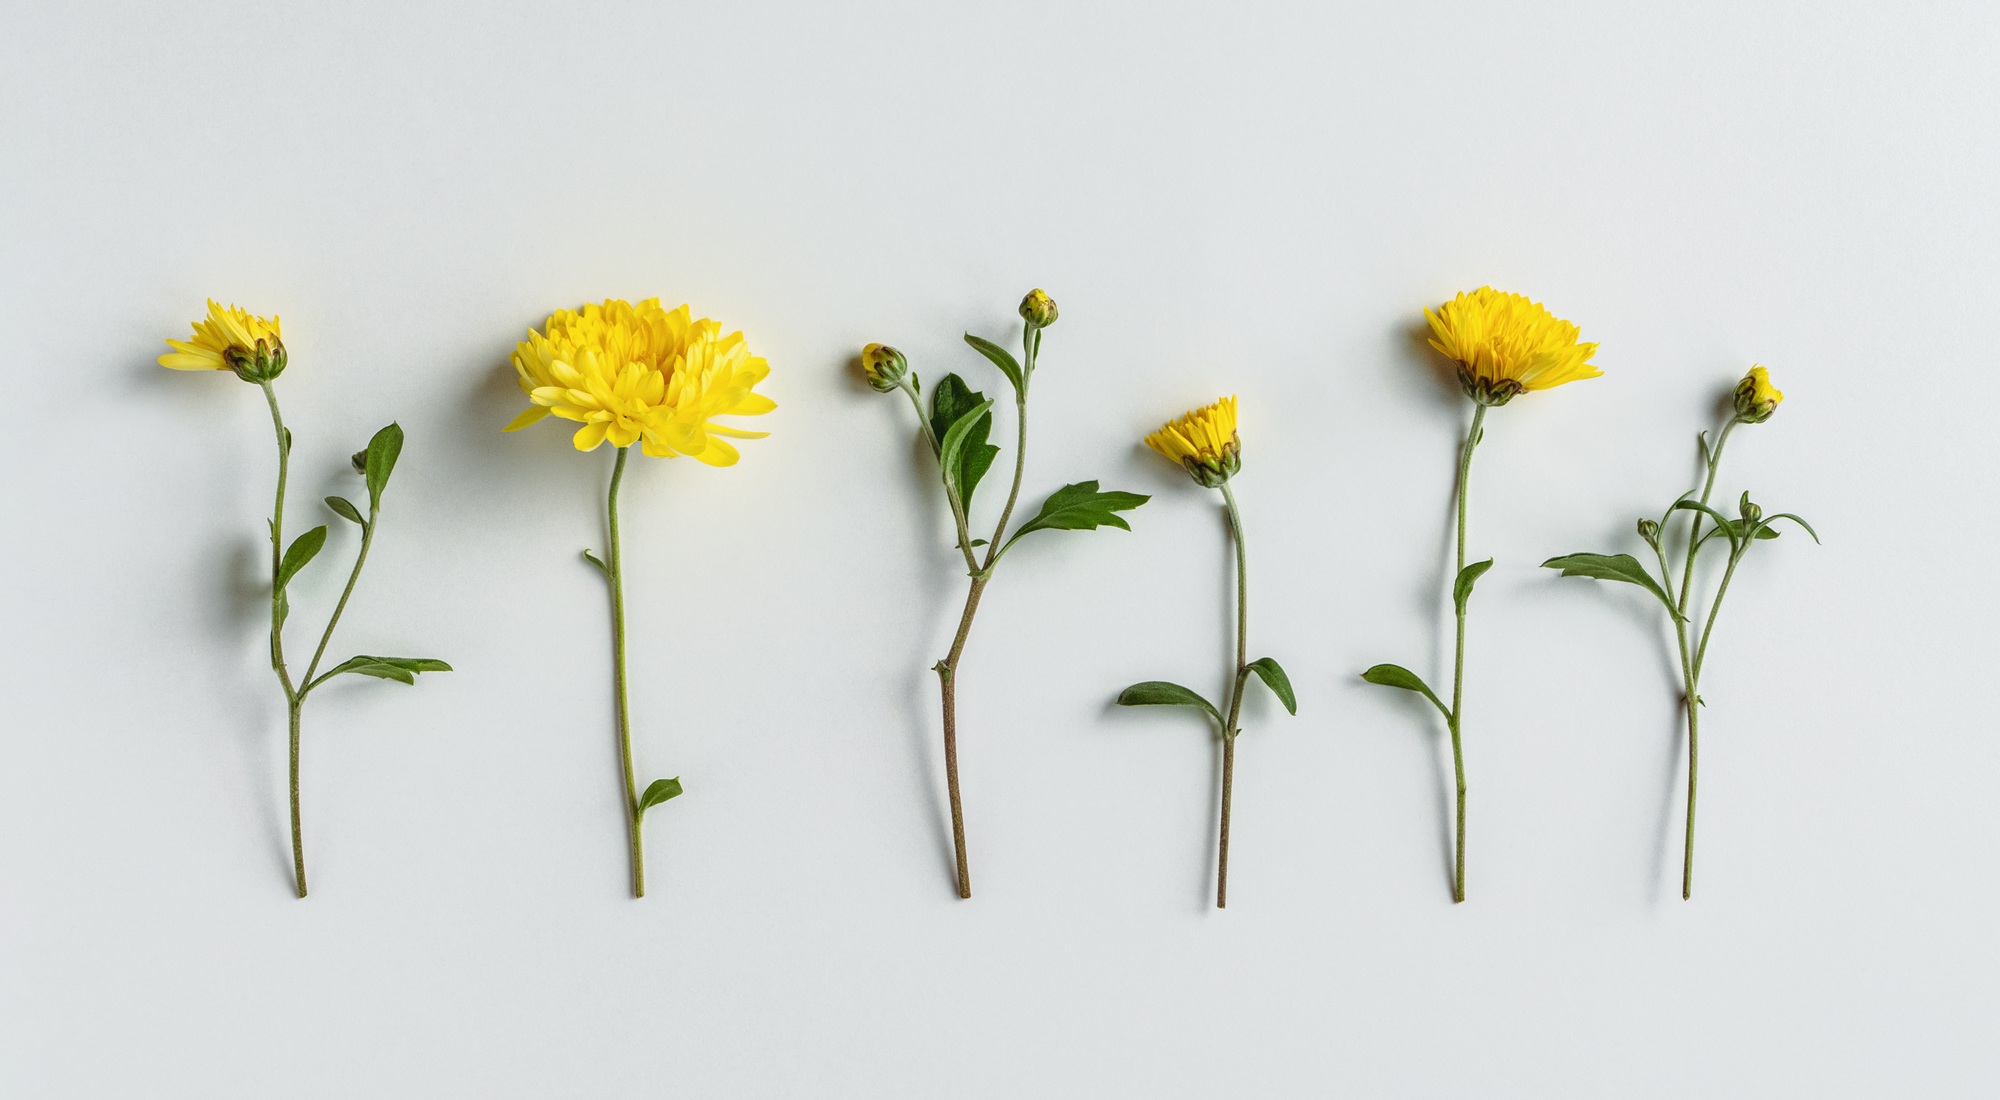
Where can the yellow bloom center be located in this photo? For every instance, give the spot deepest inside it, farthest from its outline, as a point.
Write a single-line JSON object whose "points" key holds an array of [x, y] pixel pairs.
{"points": [[222, 330], [641, 374], [1506, 344]]}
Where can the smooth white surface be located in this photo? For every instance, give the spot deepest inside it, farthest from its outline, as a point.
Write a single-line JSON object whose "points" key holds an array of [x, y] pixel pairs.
{"points": [[1222, 198]]}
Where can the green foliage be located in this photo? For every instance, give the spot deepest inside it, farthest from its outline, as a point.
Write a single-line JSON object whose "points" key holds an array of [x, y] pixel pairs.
{"points": [[961, 419], [1612, 567], [301, 552], [383, 450], [401, 669], [659, 791], [594, 560], [1081, 507], [1274, 677], [1461, 589], [345, 510], [1003, 359], [1396, 676], [1161, 693]]}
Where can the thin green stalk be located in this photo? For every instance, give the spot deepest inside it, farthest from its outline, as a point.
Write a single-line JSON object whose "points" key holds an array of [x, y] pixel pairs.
{"points": [[1458, 661], [294, 699], [1230, 728], [347, 593], [614, 571], [1691, 659], [982, 573]]}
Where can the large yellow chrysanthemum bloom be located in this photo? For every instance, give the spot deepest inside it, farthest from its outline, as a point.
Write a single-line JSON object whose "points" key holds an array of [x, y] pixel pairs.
{"points": [[640, 374], [253, 340], [1507, 344], [1203, 442]]}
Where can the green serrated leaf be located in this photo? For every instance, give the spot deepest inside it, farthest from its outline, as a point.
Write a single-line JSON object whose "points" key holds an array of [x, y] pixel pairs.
{"points": [[951, 403], [1274, 677], [1161, 693], [659, 791], [1461, 589], [1396, 676], [383, 450], [1080, 507], [1612, 567], [1000, 357], [302, 551], [342, 508]]}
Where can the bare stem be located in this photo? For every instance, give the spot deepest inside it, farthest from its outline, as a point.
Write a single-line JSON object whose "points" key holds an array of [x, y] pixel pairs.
{"points": [[1458, 662]]}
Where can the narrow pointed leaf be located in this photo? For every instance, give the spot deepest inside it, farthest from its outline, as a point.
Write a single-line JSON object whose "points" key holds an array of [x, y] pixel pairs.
{"points": [[383, 450], [1396, 676], [1461, 589], [659, 791], [1274, 678], [345, 510], [302, 550], [1786, 515], [1160, 693], [596, 561], [964, 453], [1001, 358], [1611, 567]]}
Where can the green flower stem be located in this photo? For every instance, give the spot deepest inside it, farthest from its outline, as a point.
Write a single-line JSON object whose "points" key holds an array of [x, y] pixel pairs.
{"points": [[1231, 728], [1691, 659], [982, 574], [615, 573], [347, 593], [294, 699], [1458, 662], [950, 494]]}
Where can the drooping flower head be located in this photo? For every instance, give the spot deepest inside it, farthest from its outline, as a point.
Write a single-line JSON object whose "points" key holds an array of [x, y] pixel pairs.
{"points": [[1203, 442], [641, 374], [231, 339], [1507, 344], [1756, 397]]}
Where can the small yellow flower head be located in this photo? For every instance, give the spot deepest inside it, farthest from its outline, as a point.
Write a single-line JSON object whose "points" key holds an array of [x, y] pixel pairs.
{"points": [[1507, 344], [233, 340], [1756, 397], [640, 374], [1203, 442], [1038, 309], [884, 366]]}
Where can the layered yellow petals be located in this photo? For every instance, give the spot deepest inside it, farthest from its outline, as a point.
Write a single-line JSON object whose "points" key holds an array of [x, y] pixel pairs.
{"points": [[1202, 442], [642, 374], [214, 336], [1506, 344]]}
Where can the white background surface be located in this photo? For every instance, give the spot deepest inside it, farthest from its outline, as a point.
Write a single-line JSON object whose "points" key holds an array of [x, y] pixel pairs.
{"points": [[1222, 199]]}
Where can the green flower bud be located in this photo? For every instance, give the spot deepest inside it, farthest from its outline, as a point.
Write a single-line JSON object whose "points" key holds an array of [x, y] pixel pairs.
{"points": [[1650, 531], [885, 366], [265, 362], [1752, 515], [1038, 309], [1756, 397]]}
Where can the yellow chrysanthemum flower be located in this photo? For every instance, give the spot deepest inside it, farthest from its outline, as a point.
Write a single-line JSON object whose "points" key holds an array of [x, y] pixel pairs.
{"points": [[230, 339], [1507, 344], [1756, 397], [641, 374], [1203, 442]]}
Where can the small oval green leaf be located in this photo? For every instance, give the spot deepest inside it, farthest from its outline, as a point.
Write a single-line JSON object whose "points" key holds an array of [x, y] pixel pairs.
{"points": [[659, 791], [1161, 693]]}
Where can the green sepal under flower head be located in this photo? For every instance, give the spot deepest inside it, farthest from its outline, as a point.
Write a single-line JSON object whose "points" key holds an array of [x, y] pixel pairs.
{"points": [[1038, 309], [1491, 392], [1210, 472], [885, 367], [261, 364], [1756, 397]]}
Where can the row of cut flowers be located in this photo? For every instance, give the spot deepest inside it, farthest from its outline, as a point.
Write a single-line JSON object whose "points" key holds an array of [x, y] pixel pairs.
{"points": [[667, 382]]}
